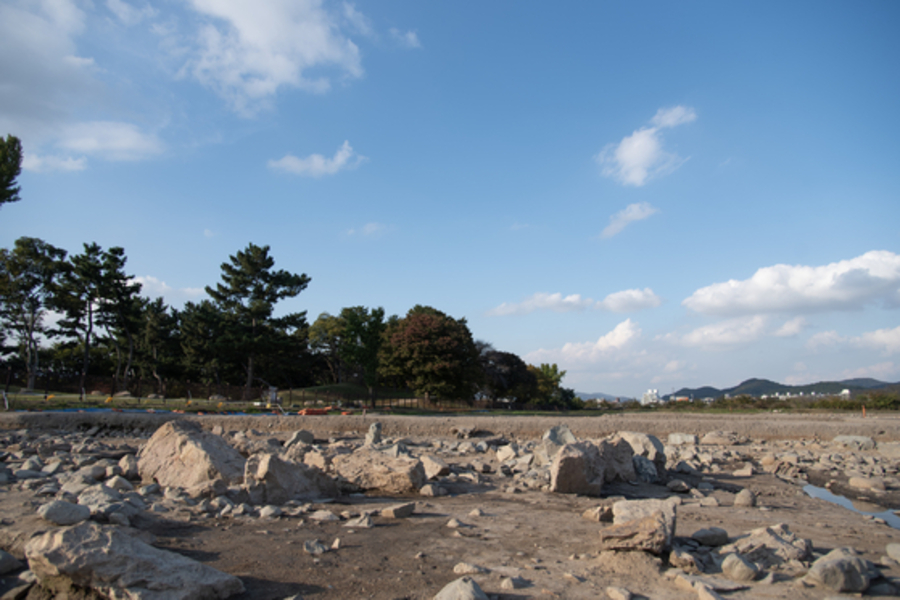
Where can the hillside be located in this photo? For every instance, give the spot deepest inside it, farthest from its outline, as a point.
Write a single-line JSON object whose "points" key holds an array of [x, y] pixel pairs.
{"points": [[760, 387]]}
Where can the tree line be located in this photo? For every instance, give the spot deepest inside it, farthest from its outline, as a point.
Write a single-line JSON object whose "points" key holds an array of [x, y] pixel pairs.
{"points": [[64, 316], [68, 316]]}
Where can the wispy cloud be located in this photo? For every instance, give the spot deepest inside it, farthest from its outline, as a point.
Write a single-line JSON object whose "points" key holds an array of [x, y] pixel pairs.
{"points": [[110, 140], [543, 301], [631, 213], [624, 301], [369, 230], [724, 333], [316, 165], [791, 328], [824, 339], [630, 301], [247, 52], [128, 14], [408, 39], [872, 278], [640, 156], [152, 286], [49, 163], [623, 335]]}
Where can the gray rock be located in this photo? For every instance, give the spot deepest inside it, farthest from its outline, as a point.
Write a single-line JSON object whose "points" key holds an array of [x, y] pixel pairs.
{"points": [[771, 546], [628, 511], [399, 511], [515, 583], [463, 588], [117, 565], [713, 536], [278, 481], [745, 498], [645, 469], [59, 512], [373, 437], [370, 470], [648, 446], [181, 454], [737, 568], [618, 593], [560, 435], [8, 563], [649, 534], [893, 551], [302, 436], [682, 439], [314, 547], [434, 467], [855, 442], [842, 570]]}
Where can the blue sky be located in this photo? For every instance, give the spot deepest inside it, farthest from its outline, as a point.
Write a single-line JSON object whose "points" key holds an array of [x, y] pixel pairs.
{"points": [[651, 195]]}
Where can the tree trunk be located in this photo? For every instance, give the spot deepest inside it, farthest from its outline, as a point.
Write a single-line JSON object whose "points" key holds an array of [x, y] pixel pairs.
{"points": [[130, 357], [89, 330]]}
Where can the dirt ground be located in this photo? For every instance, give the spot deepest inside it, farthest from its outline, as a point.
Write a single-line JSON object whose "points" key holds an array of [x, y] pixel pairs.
{"points": [[532, 534]]}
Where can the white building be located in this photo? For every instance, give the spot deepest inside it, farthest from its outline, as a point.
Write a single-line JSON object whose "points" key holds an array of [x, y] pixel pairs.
{"points": [[650, 397]]}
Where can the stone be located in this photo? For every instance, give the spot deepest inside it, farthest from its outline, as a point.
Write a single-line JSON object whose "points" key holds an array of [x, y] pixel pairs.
{"points": [[464, 588], [120, 484], [507, 452], [678, 486], [373, 437], [771, 547], [279, 481], [645, 469], [648, 534], [60, 512], [434, 467], [713, 536], [9, 563], [301, 437], [842, 570], [360, 522], [704, 592], [465, 568], [399, 511], [647, 446], [599, 514], [129, 466], [737, 568], [721, 438], [855, 442], [432, 490], [560, 435], [181, 454], [682, 439], [618, 593], [745, 471], [893, 551], [578, 469], [314, 547], [370, 470], [514, 583], [269, 512], [683, 560], [876, 484], [323, 516], [745, 498], [119, 566]]}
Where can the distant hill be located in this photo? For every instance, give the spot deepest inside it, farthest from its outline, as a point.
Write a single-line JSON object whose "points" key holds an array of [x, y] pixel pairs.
{"points": [[760, 387]]}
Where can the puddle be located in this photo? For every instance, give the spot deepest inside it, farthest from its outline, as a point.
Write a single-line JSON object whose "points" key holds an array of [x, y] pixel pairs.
{"points": [[863, 508]]}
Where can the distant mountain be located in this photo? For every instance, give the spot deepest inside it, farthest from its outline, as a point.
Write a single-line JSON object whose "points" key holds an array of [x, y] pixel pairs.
{"points": [[760, 387]]}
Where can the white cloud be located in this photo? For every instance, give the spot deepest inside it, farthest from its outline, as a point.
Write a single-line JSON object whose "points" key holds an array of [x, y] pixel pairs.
{"points": [[49, 163], [154, 287], [543, 301], [631, 213], [791, 328], [408, 39], [640, 157], [623, 335], [824, 339], [885, 340], [110, 140], [128, 14], [883, 371], [247, 51], [358, 21], [630, 300], [851, 284], [316, 165], [369, 230], [726, 333]]}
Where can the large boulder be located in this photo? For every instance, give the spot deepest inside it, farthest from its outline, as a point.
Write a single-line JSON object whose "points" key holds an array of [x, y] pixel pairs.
{"points": [[770, 547], [276, 481], [583, 467], [181, 454], [372, 470], [647, 446], [578, 469], [855, 442], [649, 534], [632, 511], [120, 567], [842, 570]]}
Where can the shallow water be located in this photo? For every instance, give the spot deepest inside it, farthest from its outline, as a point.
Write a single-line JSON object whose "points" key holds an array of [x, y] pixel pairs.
{"points": [[863, 508]]}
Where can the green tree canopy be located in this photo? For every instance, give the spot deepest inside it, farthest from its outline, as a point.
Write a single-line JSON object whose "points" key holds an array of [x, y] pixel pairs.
{"points": [[247, 295], [28, 277], [507, 376], [431, 353], [10, 168]]}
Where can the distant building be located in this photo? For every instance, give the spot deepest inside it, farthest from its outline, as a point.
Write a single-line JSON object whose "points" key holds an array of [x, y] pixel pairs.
{"points": [[650, 397], [845, 394]]}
